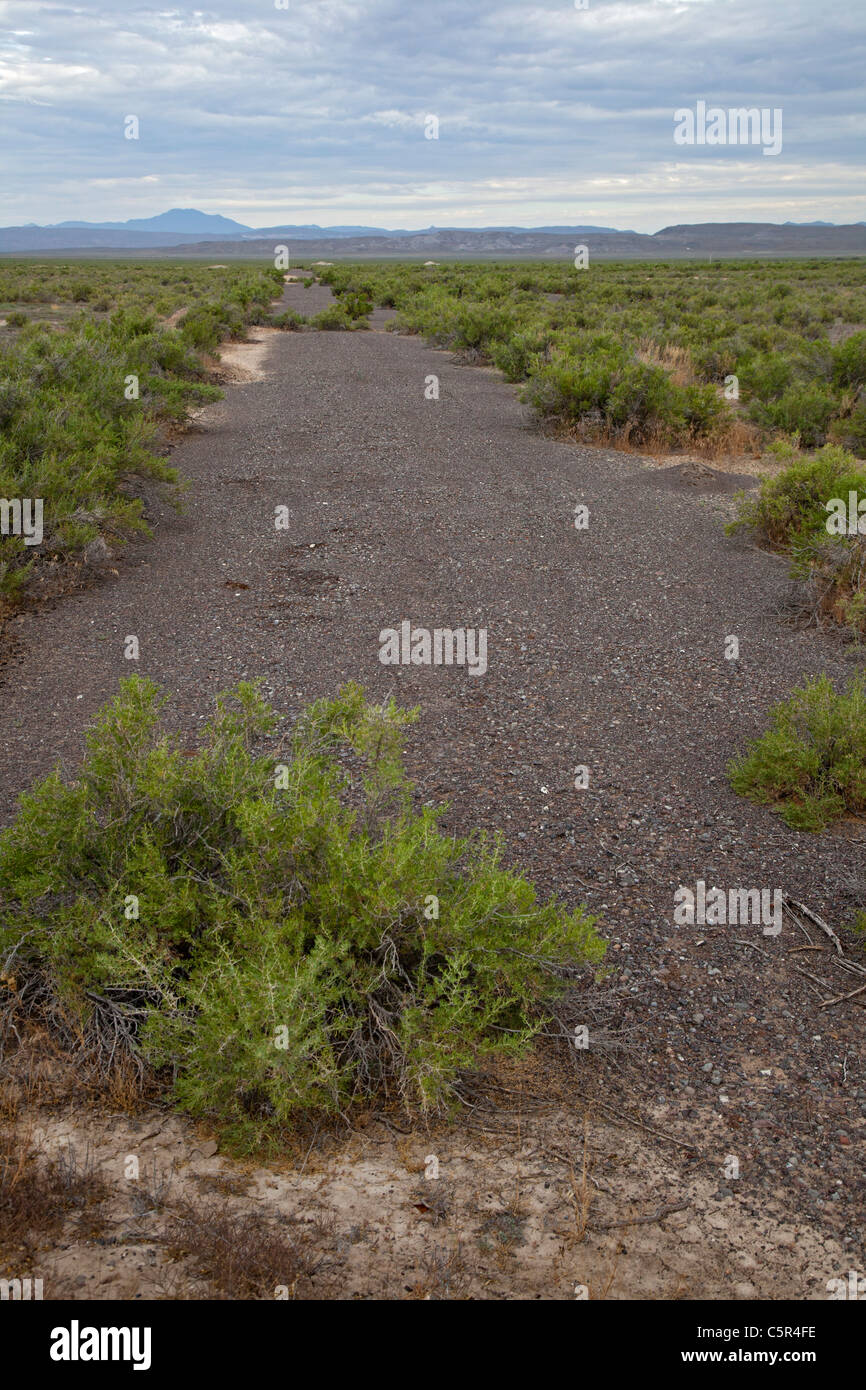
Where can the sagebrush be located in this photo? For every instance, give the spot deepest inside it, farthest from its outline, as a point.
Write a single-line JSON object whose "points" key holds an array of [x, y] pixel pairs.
{"points": [[810, 765], [793, 510], [277, 931]]}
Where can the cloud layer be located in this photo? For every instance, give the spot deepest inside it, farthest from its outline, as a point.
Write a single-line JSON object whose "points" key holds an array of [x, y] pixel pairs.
{"points": [[317, 112]]}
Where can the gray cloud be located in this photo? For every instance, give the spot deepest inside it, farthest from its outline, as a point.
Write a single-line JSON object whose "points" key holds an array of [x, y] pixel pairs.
{"points": [[316, 113]]}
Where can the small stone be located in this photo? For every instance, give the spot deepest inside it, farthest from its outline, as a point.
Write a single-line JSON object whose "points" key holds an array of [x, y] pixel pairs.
{"points": [[207, 1148], [96, 552]]}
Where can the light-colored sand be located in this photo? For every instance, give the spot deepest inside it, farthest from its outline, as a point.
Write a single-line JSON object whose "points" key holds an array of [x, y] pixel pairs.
{"points": [[244, 362]]}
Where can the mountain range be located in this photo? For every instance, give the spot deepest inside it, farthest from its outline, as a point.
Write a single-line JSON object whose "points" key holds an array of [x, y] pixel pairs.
{"points": [[188, 232]]}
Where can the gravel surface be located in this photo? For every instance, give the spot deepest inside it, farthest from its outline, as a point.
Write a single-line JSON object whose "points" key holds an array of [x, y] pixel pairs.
{"points": [[605, 649]]}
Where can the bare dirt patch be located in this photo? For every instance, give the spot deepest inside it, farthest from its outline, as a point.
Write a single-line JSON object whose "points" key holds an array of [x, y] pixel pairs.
{"points": [[240, 363], [696, 476], [748, 464], [537, 1196]]}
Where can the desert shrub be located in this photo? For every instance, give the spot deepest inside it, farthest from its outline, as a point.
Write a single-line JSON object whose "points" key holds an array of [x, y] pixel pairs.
{"points": [[701, 407], [276, 934], [849, 361], [205, 325], [642, 398], [717, 359], [357, 306], [810, 765], [791, 512], [766, 375], [851, 429], [336, 318], [69, 434], [790, 509], [804, 410], [288, 320], [478, 325], [572, 386], [518, 357]]}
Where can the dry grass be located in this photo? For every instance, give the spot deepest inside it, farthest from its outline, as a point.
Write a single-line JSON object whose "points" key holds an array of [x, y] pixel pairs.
{"points": [[38, 1194], [581, 1192], [676, 361], [244, 1255], [38, 1070], [443, 1275], [733, 439]]}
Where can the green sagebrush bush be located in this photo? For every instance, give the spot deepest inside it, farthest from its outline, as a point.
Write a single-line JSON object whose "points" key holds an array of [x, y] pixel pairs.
{"points": [[288, 320], [810, 765], [849, 361], [805, 410], [337, 317], [303, 937], [622, 395], [790, 508], [790, 511]]}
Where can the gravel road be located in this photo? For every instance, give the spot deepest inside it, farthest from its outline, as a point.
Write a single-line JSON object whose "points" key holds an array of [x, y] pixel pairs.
{"points": [[605, 649]]}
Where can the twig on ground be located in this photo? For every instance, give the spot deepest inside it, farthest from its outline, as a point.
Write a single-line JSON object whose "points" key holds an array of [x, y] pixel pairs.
{"points": [[813, 917], [842, 997], [808, 974], [629, 1120], [667, 1210]]}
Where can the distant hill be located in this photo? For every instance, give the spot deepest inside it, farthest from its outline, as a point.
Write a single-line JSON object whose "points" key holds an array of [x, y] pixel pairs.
{"points": [[188, 232], [181, 225], [187, 221]]}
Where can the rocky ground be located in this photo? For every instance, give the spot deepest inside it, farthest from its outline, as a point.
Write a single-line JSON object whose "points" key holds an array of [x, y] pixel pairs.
{"points": [[709, 1142]]}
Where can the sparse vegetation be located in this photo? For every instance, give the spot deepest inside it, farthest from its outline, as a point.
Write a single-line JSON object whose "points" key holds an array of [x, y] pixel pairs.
{"points": [[288, 320], [276, 937], [790, 509], [82, 395], [243, 1254], [38, 1193], [790, 513], [810, 765], [346, 314], [641, 354]]}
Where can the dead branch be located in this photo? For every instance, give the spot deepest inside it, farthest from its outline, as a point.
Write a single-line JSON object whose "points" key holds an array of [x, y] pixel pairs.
{"points": [[790, 903], [842, 997], [666, 1210]]}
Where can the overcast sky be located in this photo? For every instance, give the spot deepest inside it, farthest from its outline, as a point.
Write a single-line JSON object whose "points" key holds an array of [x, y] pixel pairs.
{"points": [[316, 113]]}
